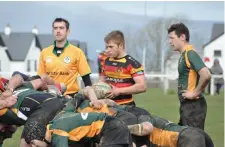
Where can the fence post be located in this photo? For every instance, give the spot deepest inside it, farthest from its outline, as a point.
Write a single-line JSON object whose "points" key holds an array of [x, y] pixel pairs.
{"points": [[166, 85], [212, 86]]}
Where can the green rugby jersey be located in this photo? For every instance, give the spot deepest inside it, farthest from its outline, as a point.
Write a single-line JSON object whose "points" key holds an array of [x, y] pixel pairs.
{"points": [[165, 133], [10, 115], [188, 66], [14, 115], [69, 127]]}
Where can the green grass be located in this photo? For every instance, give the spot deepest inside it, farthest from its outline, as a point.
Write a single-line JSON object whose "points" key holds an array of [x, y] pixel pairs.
{"points": [[167, 106]]}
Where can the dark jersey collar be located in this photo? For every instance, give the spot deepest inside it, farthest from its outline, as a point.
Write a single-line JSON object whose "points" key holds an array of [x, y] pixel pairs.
{"points": [[55, 48]]}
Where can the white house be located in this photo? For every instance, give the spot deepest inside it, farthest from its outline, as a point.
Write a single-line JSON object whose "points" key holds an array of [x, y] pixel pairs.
{"points": [[21, 51], [18, 48], [4, 60], [215, 48]]}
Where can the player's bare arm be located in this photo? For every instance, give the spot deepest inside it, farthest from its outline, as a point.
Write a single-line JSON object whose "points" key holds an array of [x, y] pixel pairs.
{"points": [[14, 82], [39, 83], [8, 102], [205, 76], [90, 93], [138, 87], [141, 129], [47, 79]]}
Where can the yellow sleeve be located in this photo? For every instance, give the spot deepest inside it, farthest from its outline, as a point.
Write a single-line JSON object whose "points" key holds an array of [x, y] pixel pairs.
{"points": [[41, 65], [83, 67]]}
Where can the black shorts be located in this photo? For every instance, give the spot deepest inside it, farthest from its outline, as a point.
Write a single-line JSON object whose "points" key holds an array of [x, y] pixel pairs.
{"points": [[115, 132], [193, 113], [194, 137], [45, 112], [130, 103], [137, 111], [126, 117]]}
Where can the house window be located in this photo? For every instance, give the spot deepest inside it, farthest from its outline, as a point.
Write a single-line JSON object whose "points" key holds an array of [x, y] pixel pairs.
{"points": [[28, 65], [217, 53], [31, 65], [35, 65]]}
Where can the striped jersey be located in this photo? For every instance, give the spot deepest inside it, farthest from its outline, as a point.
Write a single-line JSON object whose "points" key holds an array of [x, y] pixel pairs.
{"points": [[120, 73]]}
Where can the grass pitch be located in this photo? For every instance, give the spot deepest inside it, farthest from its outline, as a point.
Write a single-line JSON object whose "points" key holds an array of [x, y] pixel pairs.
{"points": [[167, 106]]}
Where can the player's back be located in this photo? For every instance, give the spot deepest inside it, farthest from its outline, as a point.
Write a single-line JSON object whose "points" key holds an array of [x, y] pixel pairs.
{"points": [[78, 126], [86, 108], [28, 101], [165, 133]]}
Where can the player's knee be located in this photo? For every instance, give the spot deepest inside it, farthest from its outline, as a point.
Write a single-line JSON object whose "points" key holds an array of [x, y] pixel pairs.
{"points": [[147, 128]]}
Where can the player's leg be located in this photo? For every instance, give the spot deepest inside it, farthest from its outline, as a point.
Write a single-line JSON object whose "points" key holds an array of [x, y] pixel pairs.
{"points": [[209, 142], [193, 113], [194, 137], [132, 122], [115, 132], [141, 129], [126, 117]]}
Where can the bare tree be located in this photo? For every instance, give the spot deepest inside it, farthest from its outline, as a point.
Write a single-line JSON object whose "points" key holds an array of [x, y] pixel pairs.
{"points": [[153, 37]]}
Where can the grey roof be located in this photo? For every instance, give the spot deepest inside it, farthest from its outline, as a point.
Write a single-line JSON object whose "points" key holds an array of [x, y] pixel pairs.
{"points": [[18, 45], [1, 41], [217, 31], [83, 46], [45, 40], [74, 42]]}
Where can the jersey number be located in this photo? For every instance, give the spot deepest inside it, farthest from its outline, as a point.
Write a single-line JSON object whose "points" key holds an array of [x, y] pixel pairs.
{"points": [[84, 115]]}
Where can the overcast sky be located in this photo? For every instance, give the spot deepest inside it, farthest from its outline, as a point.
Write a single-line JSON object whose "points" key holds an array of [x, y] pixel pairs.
{"points": [[195, 10]]}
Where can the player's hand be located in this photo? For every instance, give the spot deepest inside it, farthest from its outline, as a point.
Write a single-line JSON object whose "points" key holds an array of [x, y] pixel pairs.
{"points": [[10, 101], [110, 102], [6, 94], [44, 86], [190, 95], [113, 93], [68, 96], [97, 104]]}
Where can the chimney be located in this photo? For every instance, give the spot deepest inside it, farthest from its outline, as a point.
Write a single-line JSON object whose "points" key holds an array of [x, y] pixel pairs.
{"points": [[35, 30], [7, 29]]}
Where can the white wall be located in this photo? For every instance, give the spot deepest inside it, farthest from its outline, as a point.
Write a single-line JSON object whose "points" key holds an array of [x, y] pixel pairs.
{"points": [[171, 67], [5, 63], [217, 44], [17, 66], [32, 55]]}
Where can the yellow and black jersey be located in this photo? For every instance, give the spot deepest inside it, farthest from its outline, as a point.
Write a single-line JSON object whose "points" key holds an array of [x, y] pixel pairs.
{"points": [[120, 73]]}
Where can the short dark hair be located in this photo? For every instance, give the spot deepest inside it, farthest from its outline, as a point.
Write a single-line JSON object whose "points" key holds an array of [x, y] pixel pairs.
{"points": [[60, 20], [179, 29], [116, 36]]}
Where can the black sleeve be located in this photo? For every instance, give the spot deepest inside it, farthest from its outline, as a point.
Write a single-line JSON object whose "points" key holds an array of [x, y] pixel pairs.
{"points": [[87, 80], [25, 77]]}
